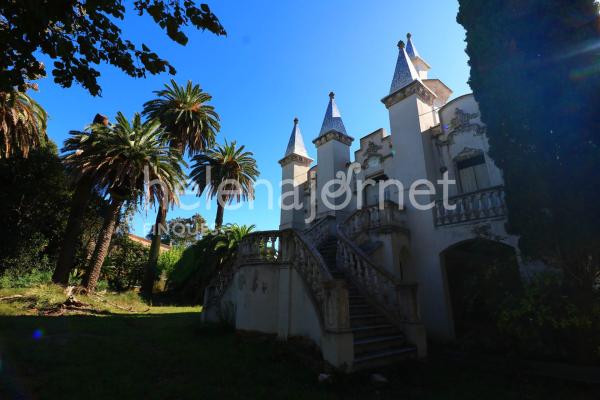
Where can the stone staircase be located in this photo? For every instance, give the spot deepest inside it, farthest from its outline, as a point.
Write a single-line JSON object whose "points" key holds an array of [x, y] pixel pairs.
{"points": [[377, 342]]}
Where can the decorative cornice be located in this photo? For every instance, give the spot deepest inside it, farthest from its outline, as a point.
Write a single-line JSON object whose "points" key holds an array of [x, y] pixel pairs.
{"points": [[304, 161], [333, 135], [467, 153], [372, 149], [416, 87], [460, 123]]}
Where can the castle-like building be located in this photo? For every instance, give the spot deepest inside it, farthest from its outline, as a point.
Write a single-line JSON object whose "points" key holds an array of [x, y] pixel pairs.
{"points": [[364, 274]]}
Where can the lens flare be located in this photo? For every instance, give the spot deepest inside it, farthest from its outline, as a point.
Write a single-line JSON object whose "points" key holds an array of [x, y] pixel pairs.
{"points": [[38, 334]]}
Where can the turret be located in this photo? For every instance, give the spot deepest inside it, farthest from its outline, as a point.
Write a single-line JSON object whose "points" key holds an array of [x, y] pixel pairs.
{"points": [[420, 65], [294, 172], [333, 154], [411, 109]]}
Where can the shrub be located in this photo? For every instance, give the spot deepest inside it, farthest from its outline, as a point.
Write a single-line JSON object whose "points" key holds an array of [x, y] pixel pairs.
{"points": [[168, 259], [15, 279], [124, 267], [548, 321], [199, 262], [30, 266]]}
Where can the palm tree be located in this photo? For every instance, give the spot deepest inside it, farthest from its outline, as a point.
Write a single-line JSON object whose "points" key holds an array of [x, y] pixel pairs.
{"points": [[125, 158], [228, 242], [78, 146], [22, 124], [227, 172], [190, 124]]}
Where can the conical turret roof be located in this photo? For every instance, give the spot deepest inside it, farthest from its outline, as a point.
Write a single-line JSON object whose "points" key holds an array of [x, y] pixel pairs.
{"points": [[333, 118], [405, 72], [296, 143]]}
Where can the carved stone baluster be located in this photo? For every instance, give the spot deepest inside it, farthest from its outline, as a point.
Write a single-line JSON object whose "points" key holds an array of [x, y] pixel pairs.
{"points": [[495, 203], [477, 205]]}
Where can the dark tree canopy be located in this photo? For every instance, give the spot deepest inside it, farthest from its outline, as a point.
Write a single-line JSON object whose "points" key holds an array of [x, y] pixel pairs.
{"points": [[79, 35], [182, 231], [535, 71]]}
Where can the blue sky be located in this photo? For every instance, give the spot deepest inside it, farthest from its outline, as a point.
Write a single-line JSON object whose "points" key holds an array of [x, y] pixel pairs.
{"points": [[279, 60]]}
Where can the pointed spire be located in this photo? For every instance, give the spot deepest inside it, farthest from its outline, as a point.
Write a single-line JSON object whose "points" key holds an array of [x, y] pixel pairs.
{"points": [[405, 72], [333, 118], [411, 50], [296, 143]]}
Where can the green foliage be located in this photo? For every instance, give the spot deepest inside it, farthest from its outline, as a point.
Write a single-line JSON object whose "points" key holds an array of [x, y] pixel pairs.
{"points": [[227, 162], [545, 322], [189, 122], [22, 124], [182, 231], [227, 172], [79, 35], [116, 156], [124, 267], [13, 278], [29, 267], [200, 261], [34, 206], [535, 74], [168, 259]]}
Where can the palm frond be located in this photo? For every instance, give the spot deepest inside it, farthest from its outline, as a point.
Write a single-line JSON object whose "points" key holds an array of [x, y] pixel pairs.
{"points": [[22, 124], [189, 122], [227, 171]]}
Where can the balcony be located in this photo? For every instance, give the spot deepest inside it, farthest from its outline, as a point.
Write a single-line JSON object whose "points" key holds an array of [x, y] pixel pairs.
{"points": [[389, 218], [474, 206]]}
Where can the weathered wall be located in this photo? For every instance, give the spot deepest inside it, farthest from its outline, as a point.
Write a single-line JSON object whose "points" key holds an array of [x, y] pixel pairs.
{"points": [[253, 298]]}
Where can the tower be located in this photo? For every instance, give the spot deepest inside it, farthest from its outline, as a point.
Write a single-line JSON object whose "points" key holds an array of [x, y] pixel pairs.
{"points": [[420, 65], [411, 110], [333, 155], [294, 172]]}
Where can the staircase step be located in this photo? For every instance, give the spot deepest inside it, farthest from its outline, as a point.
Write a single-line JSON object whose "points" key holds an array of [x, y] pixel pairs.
{"points": [[360, 309], [366, 320], [366, 331], [380, 358]]}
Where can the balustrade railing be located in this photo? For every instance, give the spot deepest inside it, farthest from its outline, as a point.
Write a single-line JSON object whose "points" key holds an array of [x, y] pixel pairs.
{"points": [[374, 217], [319, 231], [330, 296], [397, 299], [260, 247], [483, 204], [256, 247]]}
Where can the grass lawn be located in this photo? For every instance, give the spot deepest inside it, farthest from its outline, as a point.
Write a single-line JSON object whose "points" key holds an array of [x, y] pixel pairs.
{"points": [[167, 353]]}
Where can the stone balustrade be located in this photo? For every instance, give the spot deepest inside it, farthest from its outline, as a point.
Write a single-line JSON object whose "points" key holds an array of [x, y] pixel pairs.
{"points": [[397, 299], [319, 231], [388, 217], [260, 247], [329, 296], [483, 204]]}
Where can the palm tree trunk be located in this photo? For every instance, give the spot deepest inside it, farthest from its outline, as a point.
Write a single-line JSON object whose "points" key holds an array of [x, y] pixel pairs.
{"points": [[150, 271], [220, 211], [102, 245], [66, 258]]}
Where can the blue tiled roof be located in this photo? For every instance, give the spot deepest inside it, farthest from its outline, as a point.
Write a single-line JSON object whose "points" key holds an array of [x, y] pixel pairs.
{"points": [[333, 118], [296, 143]]}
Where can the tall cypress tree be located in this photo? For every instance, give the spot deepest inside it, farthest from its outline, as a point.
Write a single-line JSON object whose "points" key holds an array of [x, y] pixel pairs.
{"points": [[535, 72]]}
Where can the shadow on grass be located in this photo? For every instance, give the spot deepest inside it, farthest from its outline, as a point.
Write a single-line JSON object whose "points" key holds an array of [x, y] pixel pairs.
{"points": [[175, 356]]}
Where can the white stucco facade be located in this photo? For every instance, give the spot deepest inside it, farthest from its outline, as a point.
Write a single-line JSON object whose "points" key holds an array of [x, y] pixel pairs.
{"points": [[429, 135], [366, 279]]}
